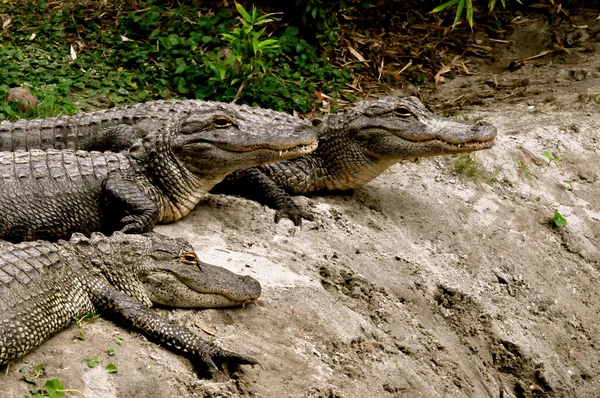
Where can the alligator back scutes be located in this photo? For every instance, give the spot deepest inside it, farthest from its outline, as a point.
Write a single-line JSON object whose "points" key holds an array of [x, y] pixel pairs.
{"points": [[58, 165], [24, 264]]}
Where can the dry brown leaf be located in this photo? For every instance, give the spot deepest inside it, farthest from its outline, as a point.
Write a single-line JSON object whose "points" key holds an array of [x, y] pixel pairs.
{"points": [[204, 328], [356, 54], [444, 69]]}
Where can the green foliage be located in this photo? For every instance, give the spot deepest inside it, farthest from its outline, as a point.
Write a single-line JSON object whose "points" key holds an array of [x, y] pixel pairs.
{"points": [[111, 368], [320, 17], [551, 158], [467, 5], [55, 388], [559, 220], [158, 49], [247, 50], [93, 362]]}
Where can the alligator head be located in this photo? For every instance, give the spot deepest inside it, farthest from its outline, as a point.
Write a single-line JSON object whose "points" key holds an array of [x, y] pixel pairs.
{"points": [[359, 143], [175, 277], [225, 139], [157, 269], [400, 128]]}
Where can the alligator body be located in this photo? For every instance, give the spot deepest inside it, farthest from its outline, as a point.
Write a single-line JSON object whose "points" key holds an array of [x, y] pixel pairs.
{"points": [[117, 129], [355, 146], [52, 194], [44, 285]]}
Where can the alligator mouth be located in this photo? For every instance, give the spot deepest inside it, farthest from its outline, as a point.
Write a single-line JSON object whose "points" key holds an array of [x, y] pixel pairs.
{"points": [[221, 296], [463, 146], [294, 151]]}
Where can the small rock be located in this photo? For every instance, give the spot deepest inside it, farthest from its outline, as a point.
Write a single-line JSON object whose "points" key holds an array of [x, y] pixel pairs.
{"points": [[25, 99]]}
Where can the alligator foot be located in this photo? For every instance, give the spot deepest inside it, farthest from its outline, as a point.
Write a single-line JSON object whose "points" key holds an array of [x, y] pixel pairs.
{"points": [[216, 363], [294, 213]]}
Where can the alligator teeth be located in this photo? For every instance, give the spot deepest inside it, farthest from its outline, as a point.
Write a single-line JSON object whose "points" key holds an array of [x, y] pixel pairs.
{"points": [[280, 152]]}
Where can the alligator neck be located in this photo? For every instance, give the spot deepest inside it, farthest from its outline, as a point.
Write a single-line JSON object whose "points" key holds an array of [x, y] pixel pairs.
{"points": [[176, 188]]}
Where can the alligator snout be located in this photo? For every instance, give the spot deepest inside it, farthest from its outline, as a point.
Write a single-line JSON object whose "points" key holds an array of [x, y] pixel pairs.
{"points": [[483, 131]]}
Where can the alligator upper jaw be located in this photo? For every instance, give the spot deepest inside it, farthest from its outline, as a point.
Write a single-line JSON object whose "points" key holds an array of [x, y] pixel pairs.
{"points": [[283, 152], [450, 147]]}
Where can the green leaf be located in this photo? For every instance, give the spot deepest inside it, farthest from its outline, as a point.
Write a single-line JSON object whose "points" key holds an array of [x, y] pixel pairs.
{"points": [[470, 12], [55, 388], [559, 220], [93, 362], [459, 10], [269, 43], [443, 6], [549, 156], [111, 352], [111, 368], [243, 12]]}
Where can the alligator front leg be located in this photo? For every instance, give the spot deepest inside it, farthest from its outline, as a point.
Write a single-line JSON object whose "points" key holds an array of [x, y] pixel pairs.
{"points": [[131, 313], [255, 185], [137, 212]]}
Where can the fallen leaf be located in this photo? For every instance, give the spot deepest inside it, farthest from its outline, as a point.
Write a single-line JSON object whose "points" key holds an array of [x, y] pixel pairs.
{"points": [[356, 54], [73, 54]]}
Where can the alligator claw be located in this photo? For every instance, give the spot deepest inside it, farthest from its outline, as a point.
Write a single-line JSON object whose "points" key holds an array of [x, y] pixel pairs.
{"points": [[295, 214], [214, 363]]}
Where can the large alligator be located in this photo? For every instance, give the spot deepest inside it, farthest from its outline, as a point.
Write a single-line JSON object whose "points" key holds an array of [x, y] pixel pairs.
{"points": [[52, 194], [118, 128], [355, 146], [44, 285]]}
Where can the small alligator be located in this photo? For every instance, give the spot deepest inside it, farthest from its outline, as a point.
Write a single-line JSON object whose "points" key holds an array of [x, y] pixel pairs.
{"points": [[355, 146], [52, 194], [44, 285]]}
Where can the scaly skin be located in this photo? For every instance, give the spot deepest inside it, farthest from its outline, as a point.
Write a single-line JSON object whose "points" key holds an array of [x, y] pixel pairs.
{"points": [[355, 146], [117, 129], [44, 285], [52, 194]]}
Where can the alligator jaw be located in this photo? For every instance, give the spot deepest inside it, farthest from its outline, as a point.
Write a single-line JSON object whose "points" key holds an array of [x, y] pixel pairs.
{"points": [[205, 286]]}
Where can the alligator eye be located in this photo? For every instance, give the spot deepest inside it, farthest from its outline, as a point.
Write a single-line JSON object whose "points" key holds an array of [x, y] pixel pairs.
{"points": [[403, 111], [189, 258], [222, 122]]}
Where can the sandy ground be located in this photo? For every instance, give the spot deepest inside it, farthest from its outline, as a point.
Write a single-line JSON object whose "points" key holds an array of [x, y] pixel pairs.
{"points": [[427, 282]]}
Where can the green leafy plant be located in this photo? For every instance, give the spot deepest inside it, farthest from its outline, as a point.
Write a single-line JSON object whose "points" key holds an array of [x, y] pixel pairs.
{"points": [[466, 5], [54, 388], [111, 368], [246, 45], [559, 220], [93, 362], [141, 51], [551, 158]]}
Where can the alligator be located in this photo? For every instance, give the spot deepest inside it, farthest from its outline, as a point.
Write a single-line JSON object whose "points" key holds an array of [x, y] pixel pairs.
{"points": [[116, 129], [50, 194], [44, 285], [355, 146]]}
